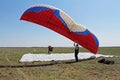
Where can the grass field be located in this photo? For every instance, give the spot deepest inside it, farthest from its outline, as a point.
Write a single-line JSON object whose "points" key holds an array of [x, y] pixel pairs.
{"points": [[11, 69]]}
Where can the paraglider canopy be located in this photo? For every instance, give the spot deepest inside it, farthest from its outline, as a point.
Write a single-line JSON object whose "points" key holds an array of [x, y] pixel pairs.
{"points": [[58, 21]]}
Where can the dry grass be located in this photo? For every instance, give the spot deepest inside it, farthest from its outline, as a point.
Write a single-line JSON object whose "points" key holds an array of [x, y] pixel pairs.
{"points": [[11, 69]]}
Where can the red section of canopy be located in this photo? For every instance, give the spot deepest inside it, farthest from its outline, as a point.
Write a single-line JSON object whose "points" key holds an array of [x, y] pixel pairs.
{"points": [[49, 20]]}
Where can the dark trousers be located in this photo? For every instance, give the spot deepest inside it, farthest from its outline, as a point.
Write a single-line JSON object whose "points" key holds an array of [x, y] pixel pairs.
{"points": [[76, 55]]}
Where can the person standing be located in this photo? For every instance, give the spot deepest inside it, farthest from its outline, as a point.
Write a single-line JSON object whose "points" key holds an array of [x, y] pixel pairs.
{"points": [[76, 51], [50, 49]]}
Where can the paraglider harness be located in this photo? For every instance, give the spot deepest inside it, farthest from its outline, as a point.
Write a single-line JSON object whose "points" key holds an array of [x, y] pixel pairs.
{"points": [[106, 61]]}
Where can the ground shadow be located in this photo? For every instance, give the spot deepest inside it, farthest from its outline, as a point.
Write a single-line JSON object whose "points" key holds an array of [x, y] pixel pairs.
{"points": [[70, 62], [38, 65], [24, 65]]}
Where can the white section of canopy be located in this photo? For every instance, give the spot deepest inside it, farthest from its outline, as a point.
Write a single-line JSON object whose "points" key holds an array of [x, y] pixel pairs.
{"points": [[29, 57], [74, 27]]}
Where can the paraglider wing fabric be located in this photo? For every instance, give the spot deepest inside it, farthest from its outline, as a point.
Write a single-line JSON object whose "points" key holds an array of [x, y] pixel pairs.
{"points": [[58, 21]]}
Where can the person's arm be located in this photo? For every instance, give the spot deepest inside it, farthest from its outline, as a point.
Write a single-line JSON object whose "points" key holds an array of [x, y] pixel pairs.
{"points": [[74, 44]]}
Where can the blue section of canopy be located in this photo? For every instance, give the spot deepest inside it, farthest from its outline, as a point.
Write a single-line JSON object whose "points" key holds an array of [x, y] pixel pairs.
{"points": [[41, 8], [96, 40], [57, 13], [86, 32], [37, 9]]}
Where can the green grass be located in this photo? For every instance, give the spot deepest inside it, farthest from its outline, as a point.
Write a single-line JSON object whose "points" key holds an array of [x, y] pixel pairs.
{"points": [[11, 69]]}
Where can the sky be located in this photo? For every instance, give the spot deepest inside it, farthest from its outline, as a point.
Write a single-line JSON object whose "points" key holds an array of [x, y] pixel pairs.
{"points": [[101, 17]]}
